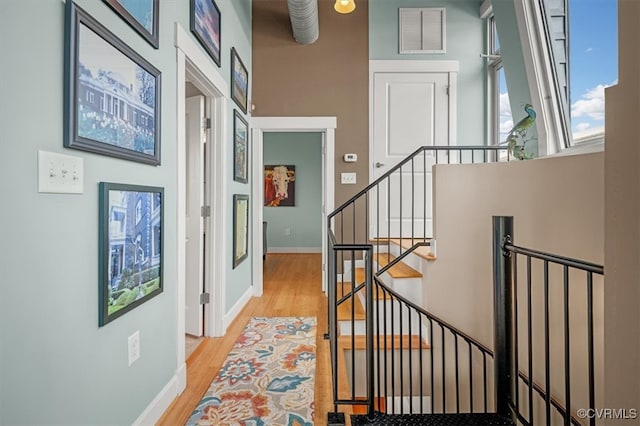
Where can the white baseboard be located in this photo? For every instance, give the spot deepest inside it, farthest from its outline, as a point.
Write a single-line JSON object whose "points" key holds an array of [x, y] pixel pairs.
{"points": [[161, 402], [294, 250], [235, 310]]}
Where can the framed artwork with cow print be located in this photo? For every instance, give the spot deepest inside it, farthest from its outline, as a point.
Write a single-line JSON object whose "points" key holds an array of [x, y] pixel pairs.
{"points": [[279, 186]]}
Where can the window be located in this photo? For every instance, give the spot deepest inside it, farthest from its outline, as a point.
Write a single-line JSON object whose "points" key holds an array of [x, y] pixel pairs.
{"points": [[138, 211], [500, 119], [593, 55]]}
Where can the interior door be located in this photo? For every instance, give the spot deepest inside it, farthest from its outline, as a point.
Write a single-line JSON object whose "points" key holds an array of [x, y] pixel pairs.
{"points": [[194, 243], [410, 110]]}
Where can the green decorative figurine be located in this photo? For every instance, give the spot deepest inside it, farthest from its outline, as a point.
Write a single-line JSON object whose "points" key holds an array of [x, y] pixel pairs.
{"points": [[518, 132]]}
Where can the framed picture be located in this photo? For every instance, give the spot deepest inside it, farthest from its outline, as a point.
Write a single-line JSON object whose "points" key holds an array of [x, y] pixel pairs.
{"points": [[112, 101], [240, 228], [240, 148], [239, 81], [130, 247], [142, 15], [205, 25], [279, 186]]}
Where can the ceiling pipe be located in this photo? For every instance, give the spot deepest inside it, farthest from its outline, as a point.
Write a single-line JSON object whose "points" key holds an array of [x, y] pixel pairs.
{"points": [[304, 20]]}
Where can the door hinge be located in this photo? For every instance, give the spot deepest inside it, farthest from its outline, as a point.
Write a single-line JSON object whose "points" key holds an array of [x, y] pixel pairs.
{"points": [[206, 123], [205, 298], [205, 211]]}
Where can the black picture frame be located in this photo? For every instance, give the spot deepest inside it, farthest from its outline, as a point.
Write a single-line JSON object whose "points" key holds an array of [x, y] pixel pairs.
{"points": [[240, 228], [112, 94], [239, 81], [130, 247], [206, 25], [141, 15], [240, 148]]}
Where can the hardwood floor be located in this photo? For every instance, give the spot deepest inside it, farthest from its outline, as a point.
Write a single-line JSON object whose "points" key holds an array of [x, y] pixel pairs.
{"points": [[292, 287]]}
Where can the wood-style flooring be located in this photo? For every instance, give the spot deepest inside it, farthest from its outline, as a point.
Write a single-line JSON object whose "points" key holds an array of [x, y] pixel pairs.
{"points": [[292, 287]]}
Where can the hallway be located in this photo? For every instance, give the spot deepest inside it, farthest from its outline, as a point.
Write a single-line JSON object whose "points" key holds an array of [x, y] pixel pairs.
{"points": [[292, 287]]}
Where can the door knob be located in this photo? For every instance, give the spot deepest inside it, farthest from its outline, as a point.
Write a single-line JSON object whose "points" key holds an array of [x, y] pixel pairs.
{"points": [[379, 164]]}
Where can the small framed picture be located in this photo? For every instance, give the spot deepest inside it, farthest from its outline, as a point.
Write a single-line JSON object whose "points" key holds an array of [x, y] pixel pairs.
{"points": [[205, 25], [240, 228], [130, 247], [142, 15], [112, 101], [239, 81], [240, 148]]}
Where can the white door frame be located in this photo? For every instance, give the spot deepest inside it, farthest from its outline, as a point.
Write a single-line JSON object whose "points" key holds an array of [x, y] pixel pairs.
{"points": [[261, 125], [192, 63]]}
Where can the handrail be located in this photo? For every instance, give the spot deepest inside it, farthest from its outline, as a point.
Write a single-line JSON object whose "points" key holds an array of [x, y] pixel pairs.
{"points": [[409, 158], [562, 260], [429, 315]]}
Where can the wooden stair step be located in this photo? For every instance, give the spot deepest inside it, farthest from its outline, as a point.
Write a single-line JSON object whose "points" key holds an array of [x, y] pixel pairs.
{"points": [[407, 243], [399, 270], [360, 277], [359, 342], [345, 312]]}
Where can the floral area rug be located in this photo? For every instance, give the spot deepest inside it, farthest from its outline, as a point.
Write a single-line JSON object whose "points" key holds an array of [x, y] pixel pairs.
{"points": [[267, 379]]}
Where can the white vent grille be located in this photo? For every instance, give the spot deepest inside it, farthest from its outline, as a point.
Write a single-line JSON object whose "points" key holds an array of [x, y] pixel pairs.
{"points": [[422, 30]]}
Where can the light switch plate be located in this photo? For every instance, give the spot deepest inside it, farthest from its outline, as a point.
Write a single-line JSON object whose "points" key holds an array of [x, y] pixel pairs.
{"points": [[59, 173], [348, 178]]}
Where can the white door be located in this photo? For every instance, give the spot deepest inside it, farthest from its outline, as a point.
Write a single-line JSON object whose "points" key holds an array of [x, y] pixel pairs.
{"points": [[410, 110], [194, 241]]}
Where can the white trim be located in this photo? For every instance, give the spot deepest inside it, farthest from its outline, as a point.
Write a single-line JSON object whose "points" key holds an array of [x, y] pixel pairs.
{"points": [[294, 250], [235, 309], [160, 403], [402, 65], [260, 125], [539, 69]]}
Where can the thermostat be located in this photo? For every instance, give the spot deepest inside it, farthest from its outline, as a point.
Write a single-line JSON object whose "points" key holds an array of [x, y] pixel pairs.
{"points": [[350, 158]]}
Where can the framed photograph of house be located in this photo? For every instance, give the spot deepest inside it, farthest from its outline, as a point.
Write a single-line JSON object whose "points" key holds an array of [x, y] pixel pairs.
{"points": [[130, 247], [141, 15], [240, 228], [112, 101], [239, 81], [240, 148], [279, 186], [205, 25]]}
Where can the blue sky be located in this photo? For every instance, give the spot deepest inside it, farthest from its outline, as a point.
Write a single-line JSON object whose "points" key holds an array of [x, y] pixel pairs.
{"points": [[593, 60]]}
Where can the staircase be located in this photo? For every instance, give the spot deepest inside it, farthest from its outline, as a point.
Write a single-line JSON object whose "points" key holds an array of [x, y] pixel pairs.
{"points": [[393, 361]]}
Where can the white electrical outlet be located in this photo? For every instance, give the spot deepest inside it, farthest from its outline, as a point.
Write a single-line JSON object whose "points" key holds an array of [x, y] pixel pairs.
{"points": [[134, 347], [348, 178], [287, 231], [60, 173]]}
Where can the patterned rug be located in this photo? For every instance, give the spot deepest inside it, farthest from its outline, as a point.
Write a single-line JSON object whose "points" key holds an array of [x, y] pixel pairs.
{"points": [[267, 378]]}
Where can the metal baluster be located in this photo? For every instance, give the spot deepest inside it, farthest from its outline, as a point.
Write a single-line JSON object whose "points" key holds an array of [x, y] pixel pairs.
{"points": [[386, 361], [455, 342], [444, 394], [515, 330], [592, 396], [547, 371], [530, 333], [470, 376], [433, 395], [353, 326], [424, 201], [484, 375], [401, 357], [393, 362], [413, 203], [421, 363], [411, 365], [567, 352]]}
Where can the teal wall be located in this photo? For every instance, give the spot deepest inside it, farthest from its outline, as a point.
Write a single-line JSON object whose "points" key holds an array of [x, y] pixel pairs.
{"points": [[56, 365], [465, 43], [303, 150]]}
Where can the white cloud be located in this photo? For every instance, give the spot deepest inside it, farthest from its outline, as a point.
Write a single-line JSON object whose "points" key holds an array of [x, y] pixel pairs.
{"points": [[590, 104], [581, 127], [589, 49]]}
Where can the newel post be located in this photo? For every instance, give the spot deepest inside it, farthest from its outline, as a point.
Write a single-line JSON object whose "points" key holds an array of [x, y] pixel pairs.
{"points": [[502, 313]]}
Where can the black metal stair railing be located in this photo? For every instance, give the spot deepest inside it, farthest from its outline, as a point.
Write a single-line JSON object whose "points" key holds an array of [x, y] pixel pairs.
{"points": [[397, 205], [549, 388]]}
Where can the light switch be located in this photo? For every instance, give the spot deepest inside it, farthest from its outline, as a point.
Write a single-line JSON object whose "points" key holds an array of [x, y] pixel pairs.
{"points": [[60, 173], [348, 178]]}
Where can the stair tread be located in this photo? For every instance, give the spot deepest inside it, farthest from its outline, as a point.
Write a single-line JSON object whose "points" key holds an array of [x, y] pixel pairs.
{"points": [[345, 308], [360, 277], [399, 270], [462, 419], [406, 243], [359, 342]]}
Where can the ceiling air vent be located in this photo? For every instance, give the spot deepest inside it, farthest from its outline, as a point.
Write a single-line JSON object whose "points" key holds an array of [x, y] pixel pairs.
{"points": [[422, 30]]}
